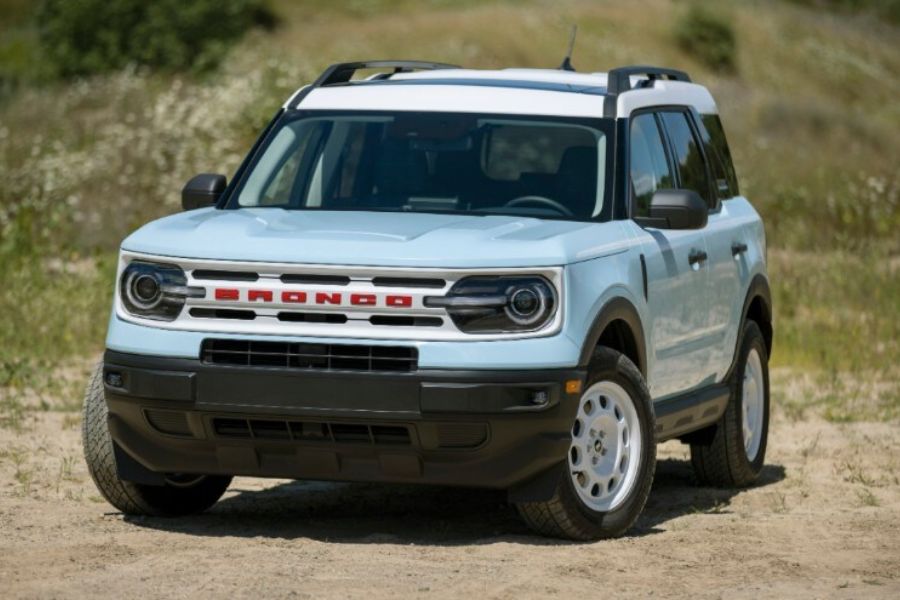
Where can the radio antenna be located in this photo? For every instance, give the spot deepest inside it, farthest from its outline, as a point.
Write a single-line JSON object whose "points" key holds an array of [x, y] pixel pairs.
{"points": [[567, 61]]}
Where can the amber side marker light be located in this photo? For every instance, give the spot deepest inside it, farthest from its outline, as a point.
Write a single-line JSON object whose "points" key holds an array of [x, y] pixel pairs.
{"points": [[573, 386]]}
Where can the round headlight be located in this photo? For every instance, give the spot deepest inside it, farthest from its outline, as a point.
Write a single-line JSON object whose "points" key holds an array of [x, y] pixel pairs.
{"points": [[143, 290], [527, 305]]}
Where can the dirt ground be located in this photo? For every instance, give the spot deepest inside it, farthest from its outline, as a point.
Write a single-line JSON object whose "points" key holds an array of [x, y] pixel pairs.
{"points": [[824, 522]]}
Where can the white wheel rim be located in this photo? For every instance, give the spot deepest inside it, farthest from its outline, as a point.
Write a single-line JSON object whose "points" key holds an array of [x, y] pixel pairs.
{"points": [[753, 404], [606, 446]]}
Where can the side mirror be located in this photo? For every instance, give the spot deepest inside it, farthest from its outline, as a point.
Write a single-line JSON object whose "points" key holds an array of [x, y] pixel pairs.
{"points": [[202, 190], [676, 209]]}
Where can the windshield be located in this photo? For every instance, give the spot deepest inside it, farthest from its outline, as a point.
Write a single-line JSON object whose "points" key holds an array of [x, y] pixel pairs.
{"points": [[432, 162]]}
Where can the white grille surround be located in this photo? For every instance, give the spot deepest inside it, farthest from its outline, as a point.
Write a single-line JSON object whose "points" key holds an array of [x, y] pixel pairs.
{"points": [[380, 321]]}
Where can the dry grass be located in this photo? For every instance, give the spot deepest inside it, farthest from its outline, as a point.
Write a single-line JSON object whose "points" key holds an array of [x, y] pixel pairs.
{"points": [[810, 112]]}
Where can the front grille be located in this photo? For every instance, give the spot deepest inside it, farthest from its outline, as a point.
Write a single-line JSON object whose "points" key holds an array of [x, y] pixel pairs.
{"points": [[322, 357], [312, 431]]}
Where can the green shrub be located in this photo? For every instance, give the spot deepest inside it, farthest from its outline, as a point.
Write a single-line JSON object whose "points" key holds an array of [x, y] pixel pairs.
{"points": [[82, 37], [708, 36]]}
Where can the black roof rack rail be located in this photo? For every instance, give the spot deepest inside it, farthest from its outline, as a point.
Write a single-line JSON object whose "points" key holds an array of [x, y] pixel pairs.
{"points": [[341, 73], [618, 81]]}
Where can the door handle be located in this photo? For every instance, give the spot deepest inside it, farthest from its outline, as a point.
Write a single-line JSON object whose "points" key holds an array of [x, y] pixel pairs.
{"points": [[738, 248], [697, 257]]}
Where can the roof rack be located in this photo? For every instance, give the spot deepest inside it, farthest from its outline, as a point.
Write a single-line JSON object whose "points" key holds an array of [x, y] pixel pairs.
{"points": [[341, 73], [618, 81]]}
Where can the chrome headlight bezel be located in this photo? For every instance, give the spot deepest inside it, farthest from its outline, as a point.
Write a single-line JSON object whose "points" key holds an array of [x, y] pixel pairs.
{"points": [[487, 304], [168, 284]]}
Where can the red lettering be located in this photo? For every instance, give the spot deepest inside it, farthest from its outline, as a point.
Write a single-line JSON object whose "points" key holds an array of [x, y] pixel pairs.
{"points": [[264, 295], [363, 299], [227, 294], [399, 301], [332, 298], [293, 297]]}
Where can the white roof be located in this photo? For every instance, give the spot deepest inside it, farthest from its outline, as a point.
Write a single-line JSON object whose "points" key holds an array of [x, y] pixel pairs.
{"points": [[509, 91]]}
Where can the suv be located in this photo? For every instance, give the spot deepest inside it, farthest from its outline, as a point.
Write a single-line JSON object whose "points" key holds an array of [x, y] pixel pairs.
{"points": [[516, 279]]}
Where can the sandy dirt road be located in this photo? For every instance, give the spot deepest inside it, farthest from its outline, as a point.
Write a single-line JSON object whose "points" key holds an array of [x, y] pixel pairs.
{"points": [[824, 522]]}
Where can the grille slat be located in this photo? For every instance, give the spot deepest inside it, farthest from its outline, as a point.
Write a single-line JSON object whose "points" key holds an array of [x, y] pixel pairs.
{"points": [[337, 357], [312, 431], [211, 274]]}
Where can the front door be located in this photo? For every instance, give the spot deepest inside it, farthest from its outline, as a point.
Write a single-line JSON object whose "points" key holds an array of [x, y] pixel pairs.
{"points": [[677, 270]]}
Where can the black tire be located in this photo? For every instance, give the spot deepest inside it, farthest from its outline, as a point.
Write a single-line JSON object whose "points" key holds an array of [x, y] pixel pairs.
{"points": [[565, 515], [132, 498], [720, 459]]}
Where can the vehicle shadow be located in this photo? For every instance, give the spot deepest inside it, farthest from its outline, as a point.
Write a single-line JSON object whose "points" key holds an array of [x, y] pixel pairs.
{"points": [[423, 515]]}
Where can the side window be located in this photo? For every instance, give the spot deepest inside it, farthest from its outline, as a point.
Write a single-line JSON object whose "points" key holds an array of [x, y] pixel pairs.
{"points": [[688, 156], [649, 167], [720, 157]]}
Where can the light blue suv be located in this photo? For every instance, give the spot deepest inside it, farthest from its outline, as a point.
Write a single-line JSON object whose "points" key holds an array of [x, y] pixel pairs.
{"points": [[518, 279]]}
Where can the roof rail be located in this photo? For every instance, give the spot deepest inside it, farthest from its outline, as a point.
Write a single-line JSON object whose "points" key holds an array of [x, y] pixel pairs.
{"points": [[341, 73], [618, 81]]}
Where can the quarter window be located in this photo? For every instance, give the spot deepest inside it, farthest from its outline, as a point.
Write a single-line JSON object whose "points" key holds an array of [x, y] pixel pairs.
{"points": [[688, 155], [649, 167]]}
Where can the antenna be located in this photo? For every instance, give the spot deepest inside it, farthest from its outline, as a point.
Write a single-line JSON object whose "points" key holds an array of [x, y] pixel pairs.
{"points": [[567, 61]]}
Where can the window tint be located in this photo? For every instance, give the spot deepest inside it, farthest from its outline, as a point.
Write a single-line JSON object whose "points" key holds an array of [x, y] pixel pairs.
{"points": [[720, 157], [427, 162], [688, 156], [649, 168], [515, 150]]}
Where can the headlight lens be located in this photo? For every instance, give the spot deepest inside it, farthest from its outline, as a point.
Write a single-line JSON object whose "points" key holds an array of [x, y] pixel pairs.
{"points": [[156, 291], [499, 304]]}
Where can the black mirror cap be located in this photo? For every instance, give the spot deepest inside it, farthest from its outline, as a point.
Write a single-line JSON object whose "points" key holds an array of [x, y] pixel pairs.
{"points": [[677, 209], [202, 190]]}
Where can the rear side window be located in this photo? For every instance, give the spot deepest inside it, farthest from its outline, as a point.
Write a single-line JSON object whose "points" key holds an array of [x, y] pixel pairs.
{"points": [[688, 156], [716, 147], [649, 167]]}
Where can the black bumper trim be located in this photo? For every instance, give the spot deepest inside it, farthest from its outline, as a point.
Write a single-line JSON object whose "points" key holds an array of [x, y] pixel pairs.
{"points": [[522, 418]]}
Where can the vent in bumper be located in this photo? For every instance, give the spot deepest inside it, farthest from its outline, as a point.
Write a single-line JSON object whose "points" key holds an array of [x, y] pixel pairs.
{"points": [[461, 435], [342, 433], [171, 422], [324, 357]]}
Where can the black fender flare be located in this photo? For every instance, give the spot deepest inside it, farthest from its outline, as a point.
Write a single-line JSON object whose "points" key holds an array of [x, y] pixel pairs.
{"points": [[758, 288], [616, 309]]}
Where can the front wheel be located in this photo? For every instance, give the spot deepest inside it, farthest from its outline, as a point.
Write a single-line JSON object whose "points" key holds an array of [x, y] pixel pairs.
{"points": [[180, 495], [611, 459]]}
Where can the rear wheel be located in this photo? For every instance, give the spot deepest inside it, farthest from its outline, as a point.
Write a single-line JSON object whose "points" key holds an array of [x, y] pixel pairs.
{"points": [[734, 452], [611, 459], [181, 494]]}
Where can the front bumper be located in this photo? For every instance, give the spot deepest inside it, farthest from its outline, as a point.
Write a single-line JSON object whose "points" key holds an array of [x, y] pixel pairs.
{"points": [[494, 429]]}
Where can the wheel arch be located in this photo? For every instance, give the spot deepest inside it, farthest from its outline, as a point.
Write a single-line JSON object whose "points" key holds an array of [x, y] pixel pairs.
{"points": [[758, 308], [617, 326]]}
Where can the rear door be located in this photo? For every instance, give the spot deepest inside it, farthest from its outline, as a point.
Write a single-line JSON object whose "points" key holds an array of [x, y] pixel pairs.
{"points": [[727, 240], [676, 279]]}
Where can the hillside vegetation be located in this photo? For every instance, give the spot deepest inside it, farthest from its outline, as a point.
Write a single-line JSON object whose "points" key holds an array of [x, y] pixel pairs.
{"points": [[808, 97]]}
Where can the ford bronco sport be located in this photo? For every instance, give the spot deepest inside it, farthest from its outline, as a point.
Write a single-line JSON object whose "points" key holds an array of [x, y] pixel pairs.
{"points": [[516, 279]]}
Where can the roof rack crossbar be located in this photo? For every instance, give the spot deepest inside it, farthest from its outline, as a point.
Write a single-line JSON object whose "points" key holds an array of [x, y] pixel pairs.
{"points": [[343, 72], [619, 80]]}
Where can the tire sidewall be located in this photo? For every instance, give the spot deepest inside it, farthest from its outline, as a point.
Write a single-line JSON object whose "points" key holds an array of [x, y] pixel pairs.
{"points": [[752, 339], [611, 366]]}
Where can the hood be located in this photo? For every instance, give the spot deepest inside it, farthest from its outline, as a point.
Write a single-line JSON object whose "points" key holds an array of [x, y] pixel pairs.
{"points": [[375, 238]]}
